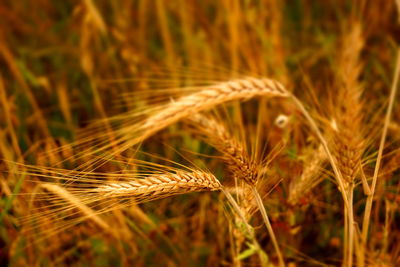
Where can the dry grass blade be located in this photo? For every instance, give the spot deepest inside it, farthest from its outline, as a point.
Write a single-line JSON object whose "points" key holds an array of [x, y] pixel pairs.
{"points": [[44, 222], [248, 206]]}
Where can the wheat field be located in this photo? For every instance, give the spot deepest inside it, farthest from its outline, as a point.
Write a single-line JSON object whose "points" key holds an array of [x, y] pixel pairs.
{"points": [[199, 133]]}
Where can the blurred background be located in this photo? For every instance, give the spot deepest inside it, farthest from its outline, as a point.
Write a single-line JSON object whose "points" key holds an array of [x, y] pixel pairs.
{"points": [[66, 63]]}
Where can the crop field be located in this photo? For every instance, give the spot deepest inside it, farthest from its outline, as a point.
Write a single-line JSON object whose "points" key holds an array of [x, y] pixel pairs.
{"points": [[200, 133]]}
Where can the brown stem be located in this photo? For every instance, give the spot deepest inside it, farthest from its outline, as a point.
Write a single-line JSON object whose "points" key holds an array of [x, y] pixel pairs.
{"points": [[269, 226], [370, 198]]}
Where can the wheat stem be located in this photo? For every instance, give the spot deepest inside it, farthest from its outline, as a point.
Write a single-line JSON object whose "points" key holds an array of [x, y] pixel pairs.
{"points": [[268, 225], [370, 198], [351, 226], [263, 257]]}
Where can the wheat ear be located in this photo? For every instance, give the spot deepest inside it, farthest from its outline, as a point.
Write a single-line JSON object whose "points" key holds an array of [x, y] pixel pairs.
{"points": [[133, 128], [234, 154], [161, 185], [348, 140], [207, 98], [164, 185]]}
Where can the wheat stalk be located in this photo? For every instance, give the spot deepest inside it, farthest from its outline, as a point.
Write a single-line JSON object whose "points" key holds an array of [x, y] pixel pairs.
{"points": [[247, 206], [93, 194], [370, 198], [348, 139]]}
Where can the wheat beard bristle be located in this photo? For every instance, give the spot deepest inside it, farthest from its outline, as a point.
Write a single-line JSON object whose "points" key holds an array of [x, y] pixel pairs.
{"points": [[161, 186]]}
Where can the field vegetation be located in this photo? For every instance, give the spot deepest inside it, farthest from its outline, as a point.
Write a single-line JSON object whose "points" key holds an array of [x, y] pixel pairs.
{"points": [[199, 133]]}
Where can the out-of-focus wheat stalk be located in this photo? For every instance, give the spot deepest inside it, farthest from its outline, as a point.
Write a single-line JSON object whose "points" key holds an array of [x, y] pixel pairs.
{"points": [[310, 176], [347, 133]]}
